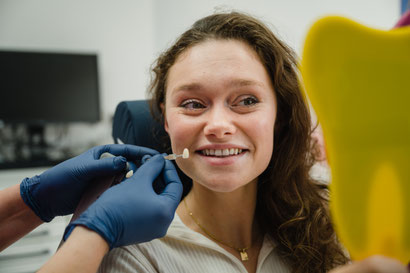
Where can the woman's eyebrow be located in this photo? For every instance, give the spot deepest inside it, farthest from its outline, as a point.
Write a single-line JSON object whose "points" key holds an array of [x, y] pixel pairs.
{"points": [[189, 87], [231, 83], [244, 83]]}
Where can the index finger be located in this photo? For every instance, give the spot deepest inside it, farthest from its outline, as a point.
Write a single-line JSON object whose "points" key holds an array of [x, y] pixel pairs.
{"points": [[130, 152]]}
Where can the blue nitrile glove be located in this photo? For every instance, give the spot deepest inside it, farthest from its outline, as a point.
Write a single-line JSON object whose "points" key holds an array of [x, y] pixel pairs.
{"points": [[58, 190], [131, 212]]}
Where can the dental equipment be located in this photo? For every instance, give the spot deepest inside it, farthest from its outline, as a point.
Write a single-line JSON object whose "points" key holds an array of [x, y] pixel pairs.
{"points": [[184, 155]]}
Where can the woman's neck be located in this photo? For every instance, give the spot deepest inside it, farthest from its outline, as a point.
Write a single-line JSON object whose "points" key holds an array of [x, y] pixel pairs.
{"points": [[228, 217]]}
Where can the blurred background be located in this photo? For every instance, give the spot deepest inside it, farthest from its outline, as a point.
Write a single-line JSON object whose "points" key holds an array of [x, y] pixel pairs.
{"points": [[122, 38], [107, 48]]}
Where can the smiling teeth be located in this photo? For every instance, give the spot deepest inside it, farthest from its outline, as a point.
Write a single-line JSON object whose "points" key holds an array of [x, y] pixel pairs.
{"points": [[222, 152]]}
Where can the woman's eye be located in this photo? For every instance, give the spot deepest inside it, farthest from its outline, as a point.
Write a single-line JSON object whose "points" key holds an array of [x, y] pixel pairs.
{"points": [[248, 101], [192, 105]]}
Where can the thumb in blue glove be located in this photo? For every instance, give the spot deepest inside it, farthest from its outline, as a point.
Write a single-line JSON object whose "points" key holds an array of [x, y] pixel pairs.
{"points": [[58, 190], [131, 212]]}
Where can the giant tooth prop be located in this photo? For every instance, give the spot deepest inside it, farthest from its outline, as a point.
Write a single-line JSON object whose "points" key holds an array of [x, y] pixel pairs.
{"points": [[358, 81]]}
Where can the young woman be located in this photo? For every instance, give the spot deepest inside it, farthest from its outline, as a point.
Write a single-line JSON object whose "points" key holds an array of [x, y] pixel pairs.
{"points": [[229, 92]]}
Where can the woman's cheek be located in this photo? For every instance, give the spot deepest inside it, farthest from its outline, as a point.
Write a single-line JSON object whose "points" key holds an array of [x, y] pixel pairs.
{"points": [[179, 132], [262, 137]]}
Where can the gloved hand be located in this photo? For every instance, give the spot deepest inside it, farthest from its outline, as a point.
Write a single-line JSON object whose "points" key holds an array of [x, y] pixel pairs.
{"points": [[131, 212], [58, 190]]}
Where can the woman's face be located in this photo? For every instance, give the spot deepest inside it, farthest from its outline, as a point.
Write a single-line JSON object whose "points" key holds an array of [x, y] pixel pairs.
{"points": [[220, 104]]}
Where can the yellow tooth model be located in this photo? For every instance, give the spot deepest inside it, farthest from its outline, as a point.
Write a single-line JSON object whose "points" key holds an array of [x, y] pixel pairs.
{"points": [[358, 81]]}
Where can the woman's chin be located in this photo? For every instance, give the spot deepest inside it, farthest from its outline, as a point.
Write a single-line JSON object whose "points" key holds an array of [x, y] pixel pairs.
{"points": [[222, 185]]}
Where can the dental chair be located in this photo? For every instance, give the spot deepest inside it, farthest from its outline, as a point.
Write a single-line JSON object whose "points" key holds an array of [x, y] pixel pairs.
{"points": [[134, 124]]}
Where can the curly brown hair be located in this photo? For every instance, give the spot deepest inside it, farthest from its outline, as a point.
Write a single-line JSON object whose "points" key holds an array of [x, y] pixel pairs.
{"points": [[292, 208]]}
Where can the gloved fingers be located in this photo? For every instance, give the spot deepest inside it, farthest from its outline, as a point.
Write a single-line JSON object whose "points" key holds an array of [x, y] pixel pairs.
{"points": [[150, 170], [131, 152], [145, 158], [173, 188], [105, 166]]}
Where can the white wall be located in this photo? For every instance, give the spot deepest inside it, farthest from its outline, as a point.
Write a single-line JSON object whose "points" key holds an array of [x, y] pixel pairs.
{"points": [[129, 34], [290, 19], [119, 31]]}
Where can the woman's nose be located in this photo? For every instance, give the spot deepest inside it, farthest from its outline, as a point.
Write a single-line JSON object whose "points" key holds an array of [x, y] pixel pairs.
{"points": [[219, 123]]}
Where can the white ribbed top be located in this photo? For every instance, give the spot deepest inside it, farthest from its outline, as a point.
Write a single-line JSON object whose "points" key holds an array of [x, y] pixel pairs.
{"points": [[183, 250]]}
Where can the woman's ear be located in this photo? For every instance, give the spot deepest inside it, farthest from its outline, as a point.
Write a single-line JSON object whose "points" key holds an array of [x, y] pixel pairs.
{"points": [[164, 117]]}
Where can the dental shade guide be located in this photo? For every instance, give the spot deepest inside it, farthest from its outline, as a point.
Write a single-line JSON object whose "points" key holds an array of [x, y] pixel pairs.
{"points": [[184, 155]]}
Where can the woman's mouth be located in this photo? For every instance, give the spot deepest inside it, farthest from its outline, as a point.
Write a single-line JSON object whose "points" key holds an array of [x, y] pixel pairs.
{"points": [[222, 157], [221, 152]]}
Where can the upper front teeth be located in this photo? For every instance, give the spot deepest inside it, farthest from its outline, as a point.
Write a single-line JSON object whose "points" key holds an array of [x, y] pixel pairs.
{"points": [[222, 152]]}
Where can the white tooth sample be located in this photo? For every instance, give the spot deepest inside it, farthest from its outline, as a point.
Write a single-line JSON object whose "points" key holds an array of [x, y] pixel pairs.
{"points": [[218, 152], [129, 174], [232, 151], [239, 151], [185, 153], [236, 151], [225, 152], [211, 152]]}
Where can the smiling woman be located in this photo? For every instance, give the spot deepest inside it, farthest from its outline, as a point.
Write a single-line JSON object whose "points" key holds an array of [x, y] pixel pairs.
{"points": [[229, 92], [232, 107]]}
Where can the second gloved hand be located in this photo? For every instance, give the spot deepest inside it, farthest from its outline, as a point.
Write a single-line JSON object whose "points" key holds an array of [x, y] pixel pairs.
{"points": [[131, 212]]}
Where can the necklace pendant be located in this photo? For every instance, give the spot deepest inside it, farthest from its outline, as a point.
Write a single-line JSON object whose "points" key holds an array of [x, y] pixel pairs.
{"points": [[244, 255]]}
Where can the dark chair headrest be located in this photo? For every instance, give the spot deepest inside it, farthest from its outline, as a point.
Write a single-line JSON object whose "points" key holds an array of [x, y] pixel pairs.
{"points": [[134, 124]]}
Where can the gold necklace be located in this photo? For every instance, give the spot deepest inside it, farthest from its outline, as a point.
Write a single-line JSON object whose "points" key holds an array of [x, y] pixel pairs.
{"points": [[242, 251]]}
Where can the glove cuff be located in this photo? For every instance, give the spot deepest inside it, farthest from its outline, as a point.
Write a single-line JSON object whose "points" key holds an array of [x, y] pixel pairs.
{"points": [[25, 192], [94, 226]]}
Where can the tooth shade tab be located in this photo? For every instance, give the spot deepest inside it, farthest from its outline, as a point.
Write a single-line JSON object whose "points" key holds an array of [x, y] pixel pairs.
{"points": [[185, 153], [221, 152]]}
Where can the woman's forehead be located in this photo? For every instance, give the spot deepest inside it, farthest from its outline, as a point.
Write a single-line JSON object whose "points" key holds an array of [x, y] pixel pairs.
{"points": [[224, 62], [208, 47]]}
